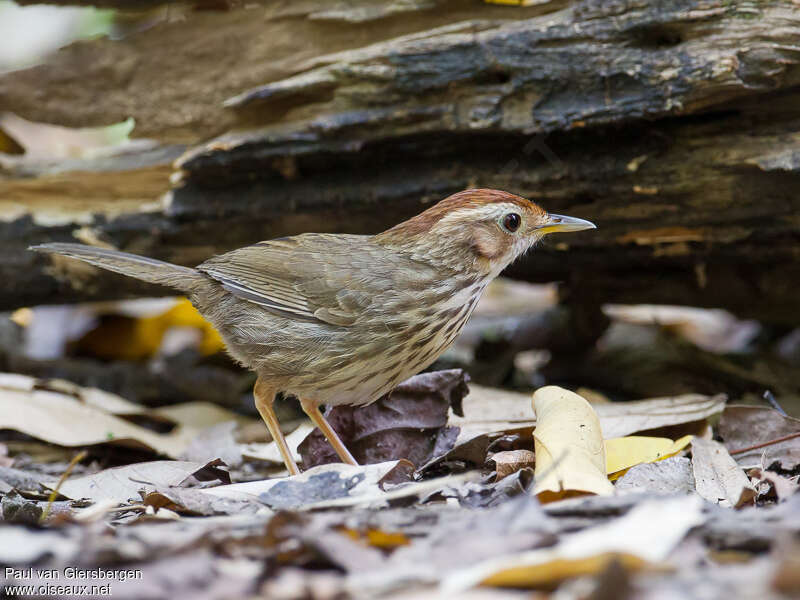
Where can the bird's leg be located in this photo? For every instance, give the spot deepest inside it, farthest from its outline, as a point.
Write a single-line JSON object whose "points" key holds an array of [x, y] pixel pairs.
{"points": [[311, 408], [265, 396]]}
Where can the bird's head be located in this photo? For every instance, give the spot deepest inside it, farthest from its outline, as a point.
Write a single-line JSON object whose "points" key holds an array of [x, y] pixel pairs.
{"points": [[479, 228]]}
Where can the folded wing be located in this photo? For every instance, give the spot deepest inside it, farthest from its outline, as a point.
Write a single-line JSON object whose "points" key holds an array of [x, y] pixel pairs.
{"points": [[327, 278]]}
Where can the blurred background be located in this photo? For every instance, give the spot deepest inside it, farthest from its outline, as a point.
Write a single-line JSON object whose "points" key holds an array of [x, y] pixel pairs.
{"points": [[181, 130]]}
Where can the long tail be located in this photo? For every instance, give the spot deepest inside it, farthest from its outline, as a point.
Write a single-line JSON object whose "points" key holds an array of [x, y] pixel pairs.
{"points": [[140, 267]]}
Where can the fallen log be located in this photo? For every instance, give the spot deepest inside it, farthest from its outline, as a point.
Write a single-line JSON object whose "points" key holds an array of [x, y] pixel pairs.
{"points": [[647, 118]]}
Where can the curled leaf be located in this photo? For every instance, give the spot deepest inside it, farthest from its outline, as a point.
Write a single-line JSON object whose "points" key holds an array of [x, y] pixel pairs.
{"points": [[568, 441], [509, 462], [409, 422]]}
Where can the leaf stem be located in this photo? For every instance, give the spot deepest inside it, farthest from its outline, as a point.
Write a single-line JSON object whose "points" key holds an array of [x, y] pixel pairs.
{"points": [[54, 494], [763, 444]]}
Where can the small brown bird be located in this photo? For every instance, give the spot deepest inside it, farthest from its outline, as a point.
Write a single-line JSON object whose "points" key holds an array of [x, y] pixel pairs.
{"points": [[342, 319]]}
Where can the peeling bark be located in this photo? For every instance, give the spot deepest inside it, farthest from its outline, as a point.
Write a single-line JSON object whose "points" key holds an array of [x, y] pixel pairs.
{"points": [[675, 126]]}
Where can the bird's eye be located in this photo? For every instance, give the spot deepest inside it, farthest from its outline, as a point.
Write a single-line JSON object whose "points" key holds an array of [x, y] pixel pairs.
{"points": [[511, 222]]}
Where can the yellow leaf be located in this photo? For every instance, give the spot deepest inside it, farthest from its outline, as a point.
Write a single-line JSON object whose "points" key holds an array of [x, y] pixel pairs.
{"points": [[184, 314], [568, 442], [22, 317], [625, 452], [127, 338], [377, 538], [532, 576]]}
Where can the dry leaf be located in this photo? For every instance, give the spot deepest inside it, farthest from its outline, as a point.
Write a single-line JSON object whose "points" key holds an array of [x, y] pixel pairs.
{"points": [[646, 535], [772, 484], [216, 442], [717, 477], [325, 486], [322, 486], [196, 502], [410, 422], [623, 453], [126, 337], [376, 498], [714, 330], [20, 479], [377, 538], [505, 297], [62, 419], [625, 418], [197, 415], [746, 426], [269, 451], [449, 541], [511, 461], [568, 442], [670, 476], [122, 483], [491, 413], [786, 574], [490, 410], [18, 546], [105, 401], [66, 414], [47, 144]]}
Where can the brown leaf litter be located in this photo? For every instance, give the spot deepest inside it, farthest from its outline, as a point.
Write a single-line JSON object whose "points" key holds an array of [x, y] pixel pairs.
{"points": [[467, 524]]}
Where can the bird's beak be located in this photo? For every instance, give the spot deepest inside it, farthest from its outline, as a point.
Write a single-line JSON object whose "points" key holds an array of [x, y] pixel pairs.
{"points": [[560, 223]]}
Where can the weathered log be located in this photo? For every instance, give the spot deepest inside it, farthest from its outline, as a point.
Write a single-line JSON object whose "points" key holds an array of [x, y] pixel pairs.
{"points": [[649, 118]]}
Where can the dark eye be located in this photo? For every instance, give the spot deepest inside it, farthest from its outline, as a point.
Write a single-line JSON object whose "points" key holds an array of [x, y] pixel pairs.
{"points": [[511, 222]]}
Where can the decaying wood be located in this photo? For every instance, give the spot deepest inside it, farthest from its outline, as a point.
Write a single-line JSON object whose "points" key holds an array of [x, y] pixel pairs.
{"points": [[675, 126]]}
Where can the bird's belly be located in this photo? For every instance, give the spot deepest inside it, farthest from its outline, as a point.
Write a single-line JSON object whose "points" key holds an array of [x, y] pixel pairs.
{"points": [[377, 368], [342, 365]]}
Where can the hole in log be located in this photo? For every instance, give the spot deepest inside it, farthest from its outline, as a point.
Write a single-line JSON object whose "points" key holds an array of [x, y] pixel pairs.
{"points": [[493, 77], [655, 36]]}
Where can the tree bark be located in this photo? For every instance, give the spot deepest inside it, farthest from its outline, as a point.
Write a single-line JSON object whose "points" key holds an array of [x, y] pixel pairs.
{"points": [[675, 126]]}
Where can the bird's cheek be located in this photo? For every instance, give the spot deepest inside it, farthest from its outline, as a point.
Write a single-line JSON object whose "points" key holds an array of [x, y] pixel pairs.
{"points": [[487, 245]]}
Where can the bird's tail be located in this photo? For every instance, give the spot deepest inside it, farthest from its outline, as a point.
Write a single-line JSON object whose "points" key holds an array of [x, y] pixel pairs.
{"points": [[140, 267]]}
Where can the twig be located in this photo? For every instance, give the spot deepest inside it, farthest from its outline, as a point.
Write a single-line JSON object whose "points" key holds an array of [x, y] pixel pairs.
{"points": [[767, 443], [128, 507], [75, 460], [770, 397]]}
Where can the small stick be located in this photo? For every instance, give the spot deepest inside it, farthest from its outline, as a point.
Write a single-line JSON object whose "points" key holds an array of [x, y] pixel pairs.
{"points": [[770, 397], [75, 460], [767, 443]]}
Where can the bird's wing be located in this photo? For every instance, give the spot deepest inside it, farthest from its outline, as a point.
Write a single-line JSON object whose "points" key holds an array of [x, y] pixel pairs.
{"points": [[320, 277]]}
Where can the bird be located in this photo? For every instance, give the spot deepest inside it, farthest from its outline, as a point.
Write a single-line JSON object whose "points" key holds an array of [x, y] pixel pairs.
{"points": [[340, 319]]}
